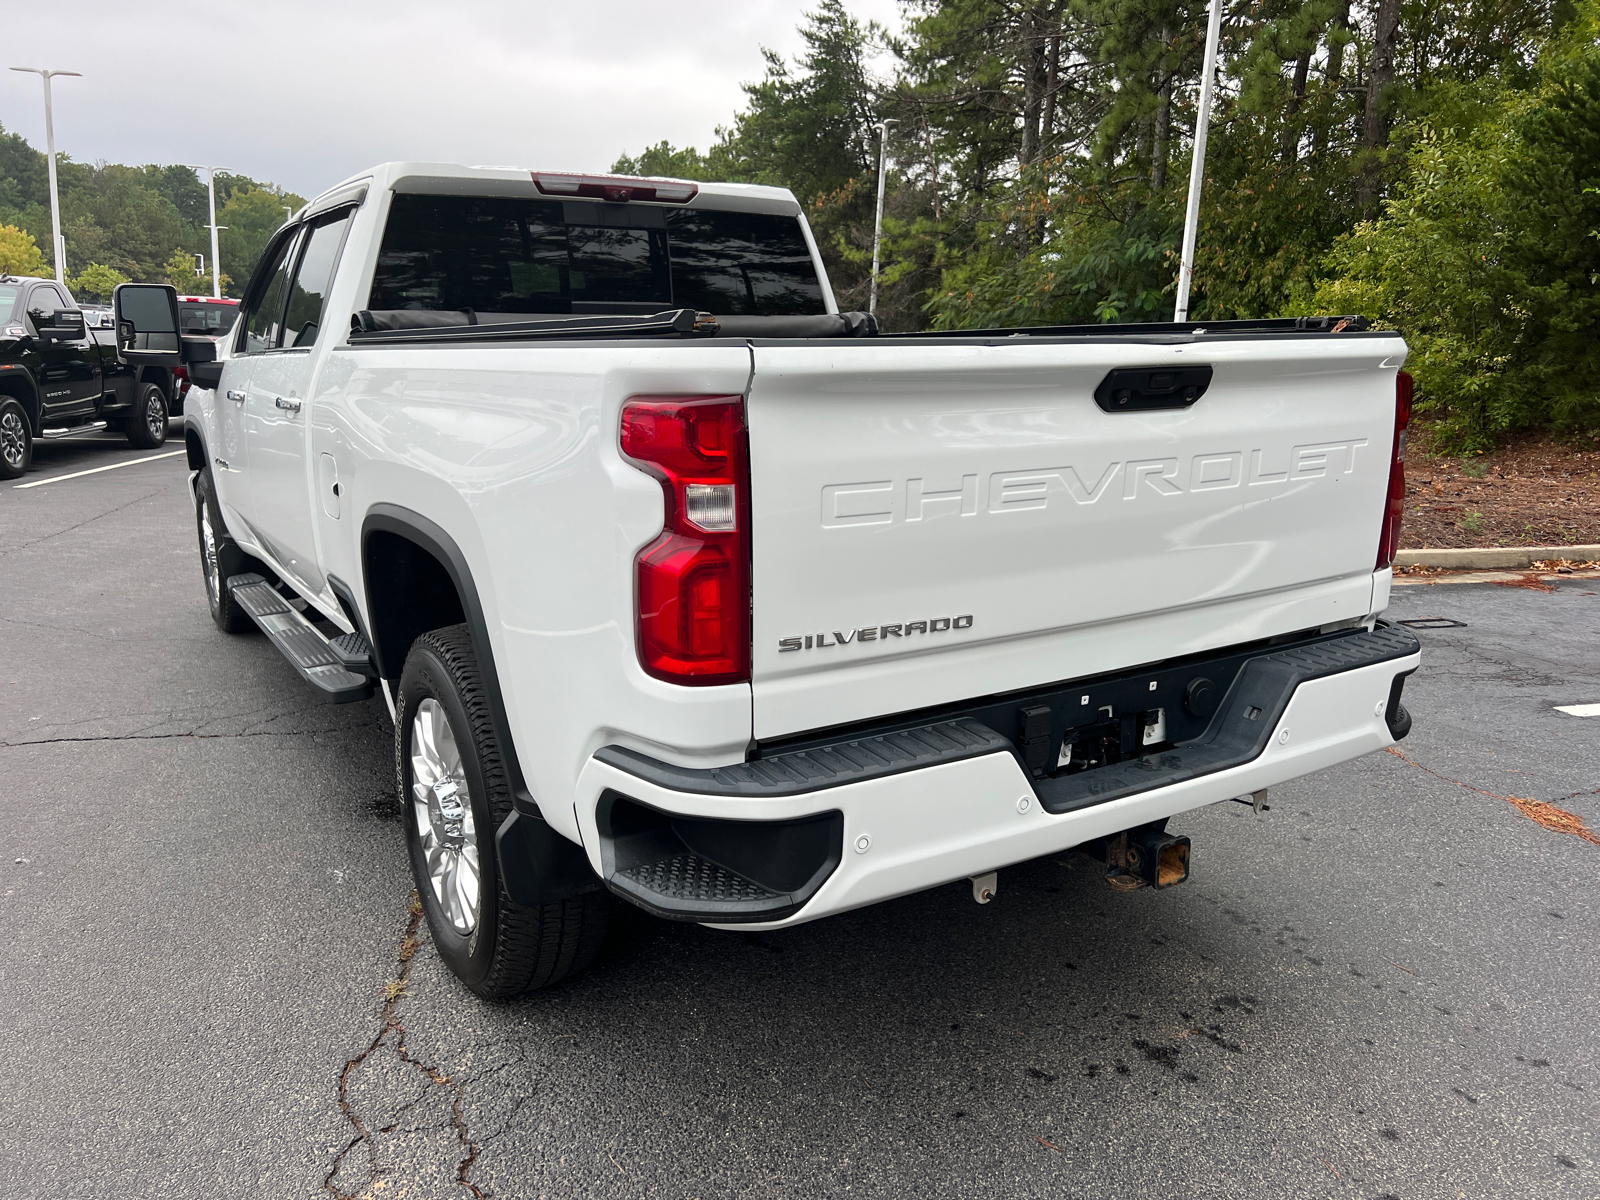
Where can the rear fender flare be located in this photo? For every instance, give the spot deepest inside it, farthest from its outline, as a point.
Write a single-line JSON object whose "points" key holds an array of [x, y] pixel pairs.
{"points": [[537, 864]]}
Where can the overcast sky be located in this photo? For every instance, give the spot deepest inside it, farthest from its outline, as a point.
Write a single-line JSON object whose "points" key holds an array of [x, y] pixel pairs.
{"points": [[304, 94]]}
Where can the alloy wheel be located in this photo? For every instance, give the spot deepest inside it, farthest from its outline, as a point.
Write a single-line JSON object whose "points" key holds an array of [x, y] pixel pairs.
{"points": [[13, 439], [442, 808], [208, 550], [155, 416]]}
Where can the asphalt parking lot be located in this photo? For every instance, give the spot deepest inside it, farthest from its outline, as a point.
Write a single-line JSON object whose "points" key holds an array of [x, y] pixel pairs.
{"points": [[1386, 986]]}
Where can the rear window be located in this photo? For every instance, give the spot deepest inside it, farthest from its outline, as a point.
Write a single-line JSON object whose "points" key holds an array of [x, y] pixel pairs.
{"points": [[513, 257], [198, 319]]}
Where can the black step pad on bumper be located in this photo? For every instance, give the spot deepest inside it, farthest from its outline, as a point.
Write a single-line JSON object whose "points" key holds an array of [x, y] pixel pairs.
{"points": [[301, 642], [822, 767], [703, 869], [1258, 678], [1239, 731]]}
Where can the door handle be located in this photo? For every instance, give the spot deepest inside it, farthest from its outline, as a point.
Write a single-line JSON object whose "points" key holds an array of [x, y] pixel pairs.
{"points": [[287, 405], [233, 395]]}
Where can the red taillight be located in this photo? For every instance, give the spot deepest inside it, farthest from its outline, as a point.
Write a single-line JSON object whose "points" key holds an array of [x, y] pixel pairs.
{"points": [[1395, 509], [693, 582], [616, 188]]}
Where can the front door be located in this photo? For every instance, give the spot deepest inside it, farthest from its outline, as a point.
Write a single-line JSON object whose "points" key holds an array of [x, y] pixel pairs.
{"points": [[258, 333], [277, 411], [68, 381]]}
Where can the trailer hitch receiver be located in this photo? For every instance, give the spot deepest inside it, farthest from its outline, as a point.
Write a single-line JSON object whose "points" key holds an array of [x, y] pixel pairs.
{"points": [[1145, 856]]}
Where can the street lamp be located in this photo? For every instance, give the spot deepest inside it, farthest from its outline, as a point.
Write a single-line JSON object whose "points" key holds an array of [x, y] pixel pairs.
{"points": [[58, 243], [211, 195], [1197, 166], [877, 225]]}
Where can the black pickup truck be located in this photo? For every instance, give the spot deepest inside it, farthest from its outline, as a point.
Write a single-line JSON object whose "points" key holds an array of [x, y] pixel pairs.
{"points": [[60, 375]]}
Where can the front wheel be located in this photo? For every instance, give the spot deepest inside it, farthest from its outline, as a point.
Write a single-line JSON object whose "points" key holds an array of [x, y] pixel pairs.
{"points": [[16, 440], [146, 422], [454, 794], [220, 558]]}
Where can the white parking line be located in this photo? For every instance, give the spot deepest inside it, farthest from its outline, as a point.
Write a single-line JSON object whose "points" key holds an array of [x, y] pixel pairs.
{"points": [[1579, 710], [96, 470]]}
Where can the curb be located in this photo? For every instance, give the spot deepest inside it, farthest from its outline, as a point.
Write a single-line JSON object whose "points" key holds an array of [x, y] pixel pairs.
{"points": [[1518, 577], [1498, 558]]}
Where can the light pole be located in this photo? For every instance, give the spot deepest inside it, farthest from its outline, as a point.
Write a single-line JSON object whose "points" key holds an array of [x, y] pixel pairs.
{"points": [[877, 225], [58, 243], [1197, 166], [211, 196]]}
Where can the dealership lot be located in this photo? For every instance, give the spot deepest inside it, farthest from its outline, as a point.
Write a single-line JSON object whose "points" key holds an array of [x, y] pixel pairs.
{"points": [[1386, 985]]}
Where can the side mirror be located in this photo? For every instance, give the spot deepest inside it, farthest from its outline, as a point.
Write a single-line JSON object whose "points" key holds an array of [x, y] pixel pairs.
{"points": [[206, 374], [64, 325], [146, 316]]}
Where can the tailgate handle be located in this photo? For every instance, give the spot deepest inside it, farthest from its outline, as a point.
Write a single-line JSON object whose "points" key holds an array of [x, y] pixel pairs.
{"points": [[1147, 389]]}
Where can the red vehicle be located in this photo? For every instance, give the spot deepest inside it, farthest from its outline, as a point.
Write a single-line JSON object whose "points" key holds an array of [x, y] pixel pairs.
{"points": [[200, 316]]}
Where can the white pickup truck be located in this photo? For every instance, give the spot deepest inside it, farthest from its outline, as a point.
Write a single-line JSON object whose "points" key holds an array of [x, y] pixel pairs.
{"points": [[686, 588]]}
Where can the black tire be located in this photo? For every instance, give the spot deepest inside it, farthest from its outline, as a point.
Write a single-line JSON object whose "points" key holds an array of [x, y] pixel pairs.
{"points": [[16, 440], [221, 559], [146, 422], [508, 949]]}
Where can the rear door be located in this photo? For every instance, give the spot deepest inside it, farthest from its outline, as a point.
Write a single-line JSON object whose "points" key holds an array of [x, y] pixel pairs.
{"points": [[259, 332], [277, 410], [933, 522]]}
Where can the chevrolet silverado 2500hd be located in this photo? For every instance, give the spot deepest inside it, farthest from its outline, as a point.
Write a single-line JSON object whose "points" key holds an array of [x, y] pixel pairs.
{"points": [[686, 588]]}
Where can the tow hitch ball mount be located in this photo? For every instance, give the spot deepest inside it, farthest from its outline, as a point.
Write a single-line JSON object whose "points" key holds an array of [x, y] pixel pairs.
{"points": [[1145, 856]]}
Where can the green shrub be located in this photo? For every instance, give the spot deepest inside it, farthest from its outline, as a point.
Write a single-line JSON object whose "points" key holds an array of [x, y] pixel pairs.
{"points": [[1488, 259]]}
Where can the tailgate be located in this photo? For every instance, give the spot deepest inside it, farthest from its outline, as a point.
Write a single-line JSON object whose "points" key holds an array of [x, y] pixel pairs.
{"points": [[933, 522]]}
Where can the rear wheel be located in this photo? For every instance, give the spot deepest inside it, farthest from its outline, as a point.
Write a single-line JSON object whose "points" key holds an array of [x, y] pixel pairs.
{"points": [[16, 440], [454, 793], [146, 422], [220, 559]]}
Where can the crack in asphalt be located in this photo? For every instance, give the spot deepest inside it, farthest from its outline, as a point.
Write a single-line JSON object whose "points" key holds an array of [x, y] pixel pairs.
{"points": [[86, 521], [1540, 812], [158, 737], [252, 722], [393, 1031]]}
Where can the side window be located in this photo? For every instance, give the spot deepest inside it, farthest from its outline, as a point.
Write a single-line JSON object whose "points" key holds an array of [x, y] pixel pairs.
{"points": [[261, 327], [309, 295], [45, 301]]}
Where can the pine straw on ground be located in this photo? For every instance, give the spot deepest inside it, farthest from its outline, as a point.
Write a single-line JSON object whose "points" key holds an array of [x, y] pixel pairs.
{"points": [[1531, 492], [1537, 811]]}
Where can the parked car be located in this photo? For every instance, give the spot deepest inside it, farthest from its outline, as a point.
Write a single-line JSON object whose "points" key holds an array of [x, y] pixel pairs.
{"points": [[201, 316], [60, 375], [685, 588]]}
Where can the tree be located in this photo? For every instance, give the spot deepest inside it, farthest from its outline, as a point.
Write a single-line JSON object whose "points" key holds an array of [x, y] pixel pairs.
{"points": [[131, 219], [806, 126], [1038, 174], [96, 283], [180, 270], [1488, 258], [665, 160], [252, 215], [19, 253]]}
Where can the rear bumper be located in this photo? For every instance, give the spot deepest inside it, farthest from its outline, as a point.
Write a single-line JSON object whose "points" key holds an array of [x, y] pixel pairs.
{"points": [[976, 808]]}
